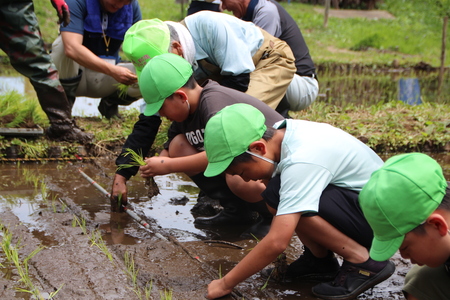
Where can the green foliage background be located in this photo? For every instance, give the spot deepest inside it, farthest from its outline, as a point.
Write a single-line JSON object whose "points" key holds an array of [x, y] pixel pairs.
{"points": [[387, 126], [413, 36]]}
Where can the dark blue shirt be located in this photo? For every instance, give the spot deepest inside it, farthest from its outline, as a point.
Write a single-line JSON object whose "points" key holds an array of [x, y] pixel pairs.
{"points": [[94, 40]]}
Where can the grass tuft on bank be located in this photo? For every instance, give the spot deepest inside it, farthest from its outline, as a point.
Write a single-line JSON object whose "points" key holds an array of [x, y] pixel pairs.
{"points": [[386, 127]]}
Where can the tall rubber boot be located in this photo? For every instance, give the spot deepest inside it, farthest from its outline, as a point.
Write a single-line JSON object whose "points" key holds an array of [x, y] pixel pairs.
{"points": [[235, 210], [70, 86], [109, 105], [55, 104]]}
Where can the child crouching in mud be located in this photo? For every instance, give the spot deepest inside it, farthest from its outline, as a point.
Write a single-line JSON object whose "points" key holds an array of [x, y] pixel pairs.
{"points": [[315, 173]]}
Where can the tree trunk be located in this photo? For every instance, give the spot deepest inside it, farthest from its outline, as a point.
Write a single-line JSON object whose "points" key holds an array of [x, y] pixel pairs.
{"points": [[444, 41], [327, 10]]}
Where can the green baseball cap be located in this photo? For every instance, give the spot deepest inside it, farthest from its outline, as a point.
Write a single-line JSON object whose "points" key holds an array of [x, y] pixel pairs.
{"points": [[160, 78], [399, 196], [145, 40], [229, 133]]}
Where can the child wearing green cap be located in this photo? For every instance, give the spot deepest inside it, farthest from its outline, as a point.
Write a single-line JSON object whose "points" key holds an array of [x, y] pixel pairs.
{"points": [[235, 53], [407, 204], [169, 88], [315, 174]]}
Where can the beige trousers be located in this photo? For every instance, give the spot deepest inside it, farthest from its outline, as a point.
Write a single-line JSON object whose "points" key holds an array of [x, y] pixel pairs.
{"points": [[93, 84], [274, 70]]}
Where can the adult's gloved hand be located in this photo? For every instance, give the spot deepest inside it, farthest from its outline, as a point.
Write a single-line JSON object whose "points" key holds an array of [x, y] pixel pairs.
{"points": [[62, 10]]}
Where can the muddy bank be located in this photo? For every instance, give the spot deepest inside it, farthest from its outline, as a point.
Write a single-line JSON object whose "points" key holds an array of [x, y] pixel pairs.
{"points": [[41, 201]]}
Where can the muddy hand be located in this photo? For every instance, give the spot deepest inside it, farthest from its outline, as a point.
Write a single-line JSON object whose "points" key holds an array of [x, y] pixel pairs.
{"points": [[118, 196], [217, 289], [117, 203], [62, 10]]}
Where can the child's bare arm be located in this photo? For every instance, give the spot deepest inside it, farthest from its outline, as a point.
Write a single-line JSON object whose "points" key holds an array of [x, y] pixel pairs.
{"points": [[161, 165], [263, 254]]}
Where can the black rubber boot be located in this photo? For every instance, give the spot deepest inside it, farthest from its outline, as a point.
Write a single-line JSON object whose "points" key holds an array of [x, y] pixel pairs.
{"points": [[70, 86], [59, 112], [235, 211], [109, 105]]}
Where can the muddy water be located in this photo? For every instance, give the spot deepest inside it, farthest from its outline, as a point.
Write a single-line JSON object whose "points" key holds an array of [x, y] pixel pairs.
{"points": [[83, 107], [29, 191]]}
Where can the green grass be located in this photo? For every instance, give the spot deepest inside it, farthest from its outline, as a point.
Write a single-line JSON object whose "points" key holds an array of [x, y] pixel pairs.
{"points": [[413, 36]]}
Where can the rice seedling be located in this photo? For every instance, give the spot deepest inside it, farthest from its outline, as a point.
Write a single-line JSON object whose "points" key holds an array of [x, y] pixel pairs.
{"points": [[54, 200], [44, 193], [123, 90], [148, 289], [63, 205], [132, 272], [220, 271], [131, 268], [137, 159], [12, 256], [97, 240], [166, 294], [80, 222]]}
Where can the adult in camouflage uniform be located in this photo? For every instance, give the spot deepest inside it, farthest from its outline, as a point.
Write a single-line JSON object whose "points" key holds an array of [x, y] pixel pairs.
{"points": [[21, 40]]}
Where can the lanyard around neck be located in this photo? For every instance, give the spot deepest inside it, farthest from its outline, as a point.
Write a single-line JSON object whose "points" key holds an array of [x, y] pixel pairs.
{"points": [[104, 27]]}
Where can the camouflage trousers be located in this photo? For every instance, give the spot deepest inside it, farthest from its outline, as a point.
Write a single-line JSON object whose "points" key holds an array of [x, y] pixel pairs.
{"points": [[21, 40]]}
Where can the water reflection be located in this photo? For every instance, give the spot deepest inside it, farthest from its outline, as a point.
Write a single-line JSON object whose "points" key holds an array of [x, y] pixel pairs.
{"points": [[84, 106], [9, 84]]}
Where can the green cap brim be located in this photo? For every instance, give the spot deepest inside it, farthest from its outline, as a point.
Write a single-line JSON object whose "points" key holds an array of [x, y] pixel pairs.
{"points": [[383, 250], [153, 108], [216, 168]]}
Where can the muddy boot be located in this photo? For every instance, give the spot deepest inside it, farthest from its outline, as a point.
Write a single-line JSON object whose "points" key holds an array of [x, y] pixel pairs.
{"points": [[109, 106], [235, 211], [55, 104], [68, 131]]}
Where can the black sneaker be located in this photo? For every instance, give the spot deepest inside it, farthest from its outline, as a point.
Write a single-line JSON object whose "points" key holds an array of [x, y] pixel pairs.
{"points": [[259, 230], [354, 279], [307, 267], [225, 217]]}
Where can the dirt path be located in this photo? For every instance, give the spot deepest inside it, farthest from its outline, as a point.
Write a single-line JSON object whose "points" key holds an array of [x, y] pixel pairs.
{"points": [[355, 13]]}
